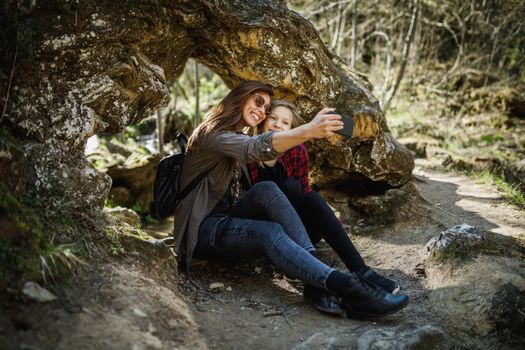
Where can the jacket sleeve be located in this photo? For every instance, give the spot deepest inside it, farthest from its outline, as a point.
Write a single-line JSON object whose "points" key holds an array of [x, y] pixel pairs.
{"points": [[241, 146]]}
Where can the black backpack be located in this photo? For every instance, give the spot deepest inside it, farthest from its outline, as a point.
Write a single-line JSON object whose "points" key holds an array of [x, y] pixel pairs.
{"points": [[166, 191]]}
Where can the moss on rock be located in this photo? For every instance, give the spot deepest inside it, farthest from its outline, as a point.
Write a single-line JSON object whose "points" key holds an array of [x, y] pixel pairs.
{"points": [[21, 241]]}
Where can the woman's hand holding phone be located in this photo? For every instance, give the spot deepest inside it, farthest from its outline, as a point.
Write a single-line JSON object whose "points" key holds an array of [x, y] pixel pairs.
{"points": [[348, 128], [325, 123]]}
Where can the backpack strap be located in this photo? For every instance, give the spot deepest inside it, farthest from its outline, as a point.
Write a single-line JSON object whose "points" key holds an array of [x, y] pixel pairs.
{"points": [[182, 141], [194, 184]]}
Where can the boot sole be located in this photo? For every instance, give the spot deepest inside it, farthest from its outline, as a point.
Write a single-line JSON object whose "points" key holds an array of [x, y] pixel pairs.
{"points": [[359, 315], [332, 312]]}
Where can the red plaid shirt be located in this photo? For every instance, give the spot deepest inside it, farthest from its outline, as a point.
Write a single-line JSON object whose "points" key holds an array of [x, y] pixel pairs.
{"points": [[295, 164]]}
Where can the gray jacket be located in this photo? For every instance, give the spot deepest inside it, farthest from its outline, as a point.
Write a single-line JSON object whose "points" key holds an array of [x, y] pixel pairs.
{"points": [[218, 150]]}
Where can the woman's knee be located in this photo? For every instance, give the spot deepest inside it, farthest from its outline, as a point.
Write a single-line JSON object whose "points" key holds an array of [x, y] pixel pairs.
{"points": [[266, 191], [266, 186]]}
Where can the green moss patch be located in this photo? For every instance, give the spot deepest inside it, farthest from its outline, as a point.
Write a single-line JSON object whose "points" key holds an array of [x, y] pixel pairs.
{"points": [[27, 249], [21, 241]]}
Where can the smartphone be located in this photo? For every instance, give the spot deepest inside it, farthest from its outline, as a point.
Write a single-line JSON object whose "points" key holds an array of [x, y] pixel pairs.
{"points": [[348, 127]]}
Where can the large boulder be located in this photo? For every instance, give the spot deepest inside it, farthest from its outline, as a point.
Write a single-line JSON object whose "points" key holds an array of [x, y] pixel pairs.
{"points": [[98, 67], [477, 283]]}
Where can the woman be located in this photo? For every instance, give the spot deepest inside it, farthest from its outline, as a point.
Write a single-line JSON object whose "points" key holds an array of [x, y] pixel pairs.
{"points": [[219, 220], [290, 172]]}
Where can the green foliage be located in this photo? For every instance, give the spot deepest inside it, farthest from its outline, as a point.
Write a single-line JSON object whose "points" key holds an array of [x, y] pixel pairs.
{"points": [[27, 249], [59, 260], [144, 218], [132, 131], [510, 191], [21, 242], [137, 208], [31, 201], [456, 143], [115, 247], [150, 219], [182, 92], [491, 138], [485, 142], [7, 140], [110, 202]]}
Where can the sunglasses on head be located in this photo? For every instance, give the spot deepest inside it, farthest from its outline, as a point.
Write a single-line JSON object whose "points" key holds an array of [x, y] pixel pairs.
{"points": [[259, 102]]}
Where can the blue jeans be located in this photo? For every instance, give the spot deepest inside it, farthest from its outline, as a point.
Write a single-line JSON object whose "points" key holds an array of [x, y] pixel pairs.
{"points": [[263, 222]]}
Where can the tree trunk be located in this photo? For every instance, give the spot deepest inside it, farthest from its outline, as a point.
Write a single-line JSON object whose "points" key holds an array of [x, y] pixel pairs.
{"points": [[354, 39], [406, 50], [197, 93]]}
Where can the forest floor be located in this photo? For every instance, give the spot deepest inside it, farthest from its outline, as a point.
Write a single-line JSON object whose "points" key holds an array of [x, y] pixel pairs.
{"points": [[125, 303]]}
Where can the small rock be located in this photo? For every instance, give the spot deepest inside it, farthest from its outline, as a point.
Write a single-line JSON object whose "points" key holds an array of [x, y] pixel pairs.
{"points": [[173, 324], [138, 312], [257, 269], [152, 329], [229, 289], [216, 286], [37, 293], [444, 239]]}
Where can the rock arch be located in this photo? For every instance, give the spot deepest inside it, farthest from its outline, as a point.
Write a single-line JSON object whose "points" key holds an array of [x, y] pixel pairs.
{"points": [[98, 68]]}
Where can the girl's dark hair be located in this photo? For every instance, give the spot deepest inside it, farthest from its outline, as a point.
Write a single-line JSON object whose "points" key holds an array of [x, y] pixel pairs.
{"points": [[226, 115]]}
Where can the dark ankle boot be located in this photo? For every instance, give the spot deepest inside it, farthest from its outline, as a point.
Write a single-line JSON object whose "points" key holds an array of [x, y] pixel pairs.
{"points": [[364, 300], [323, 300], [381, 281]]}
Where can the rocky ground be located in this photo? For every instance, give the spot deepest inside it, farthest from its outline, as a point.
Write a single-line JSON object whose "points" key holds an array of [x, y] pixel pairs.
{"points": [[138, 302]]}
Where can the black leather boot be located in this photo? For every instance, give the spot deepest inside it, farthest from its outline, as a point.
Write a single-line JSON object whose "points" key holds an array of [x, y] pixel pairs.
{"points": [[381, 281], [363, 300], [323, 300]]}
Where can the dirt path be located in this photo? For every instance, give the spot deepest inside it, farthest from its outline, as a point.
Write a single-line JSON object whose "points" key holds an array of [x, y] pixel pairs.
{"points": [[236, 319], [458, 198], [122, 305]]}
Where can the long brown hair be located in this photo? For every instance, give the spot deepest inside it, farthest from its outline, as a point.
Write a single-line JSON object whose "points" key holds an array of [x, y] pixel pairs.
{"points": [[226, 115]]}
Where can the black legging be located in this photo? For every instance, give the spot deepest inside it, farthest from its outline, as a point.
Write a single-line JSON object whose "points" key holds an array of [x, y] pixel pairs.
{"points": [[321, 222]]}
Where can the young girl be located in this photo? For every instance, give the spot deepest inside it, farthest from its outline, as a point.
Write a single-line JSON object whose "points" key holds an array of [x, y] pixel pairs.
{"points": [[290, 172], [222, 218]]}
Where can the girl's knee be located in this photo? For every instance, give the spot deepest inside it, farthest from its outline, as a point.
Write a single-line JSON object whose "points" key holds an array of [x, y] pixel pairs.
{"points": [[291, 188]]}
